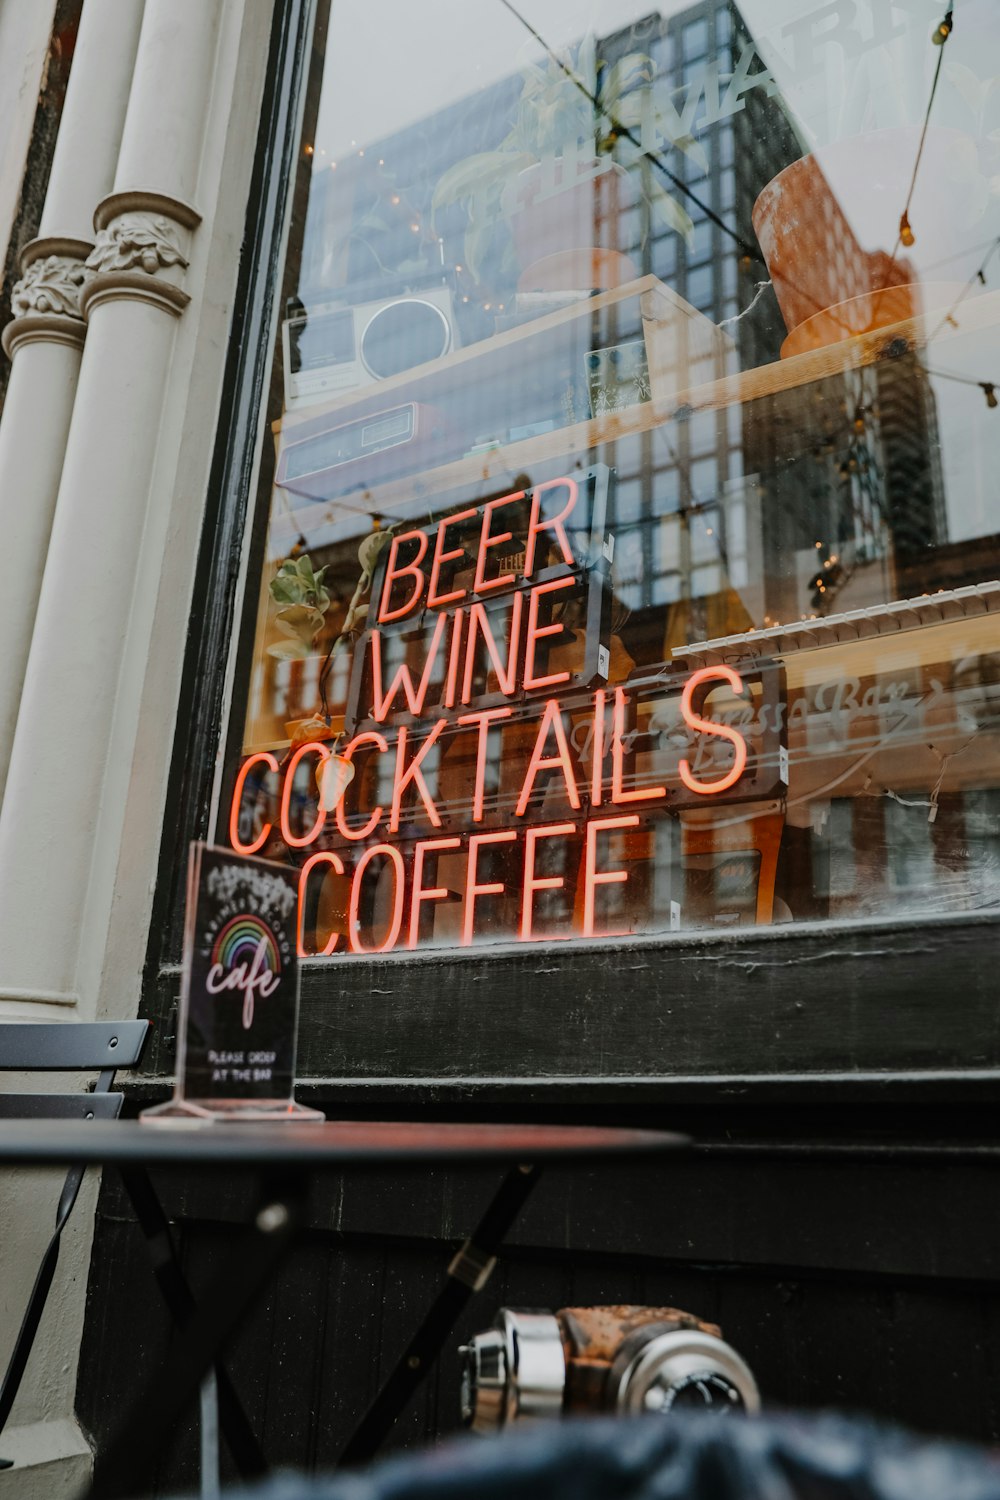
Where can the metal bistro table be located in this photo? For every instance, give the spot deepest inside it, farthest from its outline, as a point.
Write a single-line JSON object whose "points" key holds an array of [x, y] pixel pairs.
{"points": [[283, 1159]]}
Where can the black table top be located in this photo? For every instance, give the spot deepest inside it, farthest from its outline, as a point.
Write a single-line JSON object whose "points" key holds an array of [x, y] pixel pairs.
{"points": [[334, 1144]]}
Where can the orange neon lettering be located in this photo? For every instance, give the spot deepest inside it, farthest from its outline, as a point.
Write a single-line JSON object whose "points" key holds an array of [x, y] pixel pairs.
{"points": [[709, 726], [423, 893], [551, 719], [481, 584], [593, 877], [536, 524], [353, 922], [618, 793], [597, 751], [291, 839], [533, 882], [483, 719], [479, 624], [323, 857], [343, 827], [413, 773], [472, 886], [409, 570], [535, 631], [454, 656], [234, 810], [434, 599], [382, 701]]}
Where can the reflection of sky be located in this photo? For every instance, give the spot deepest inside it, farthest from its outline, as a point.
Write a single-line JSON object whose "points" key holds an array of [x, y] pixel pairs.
{"points": [[872, 73], [434, 52]]}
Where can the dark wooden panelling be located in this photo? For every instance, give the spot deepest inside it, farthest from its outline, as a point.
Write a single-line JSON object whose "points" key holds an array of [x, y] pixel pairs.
{"points": [[874, 1323], [788, 1004]]}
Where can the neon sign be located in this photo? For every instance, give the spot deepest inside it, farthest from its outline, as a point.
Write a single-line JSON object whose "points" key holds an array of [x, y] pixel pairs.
{"points": [[469, 642]]}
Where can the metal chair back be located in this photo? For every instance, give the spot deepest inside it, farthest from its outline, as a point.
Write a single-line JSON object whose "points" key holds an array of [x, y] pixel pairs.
{"points": [[60, 1047]]}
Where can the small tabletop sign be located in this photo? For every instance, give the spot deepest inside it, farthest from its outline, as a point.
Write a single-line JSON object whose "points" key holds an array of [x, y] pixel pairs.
{"points": [[239, 1005]]}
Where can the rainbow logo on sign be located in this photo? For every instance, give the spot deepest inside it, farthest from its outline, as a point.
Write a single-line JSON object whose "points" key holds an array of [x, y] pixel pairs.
{"points": [[239, 941]]}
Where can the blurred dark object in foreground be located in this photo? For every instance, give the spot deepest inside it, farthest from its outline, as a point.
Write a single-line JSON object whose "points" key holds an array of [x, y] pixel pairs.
{"points": [[783, 1457]]}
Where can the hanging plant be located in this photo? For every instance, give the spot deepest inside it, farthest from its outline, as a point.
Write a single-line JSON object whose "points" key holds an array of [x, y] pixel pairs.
{"points": [[302, 605], [611, 109]]}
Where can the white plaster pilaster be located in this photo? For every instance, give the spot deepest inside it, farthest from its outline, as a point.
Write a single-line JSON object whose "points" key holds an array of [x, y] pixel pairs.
{"points": [[46, 335], [81, 822], [82, 819], [132, 297]]}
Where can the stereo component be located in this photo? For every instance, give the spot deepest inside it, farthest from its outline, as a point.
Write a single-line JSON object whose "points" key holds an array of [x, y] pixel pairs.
{"points": [[332, 349], [319, 463]]}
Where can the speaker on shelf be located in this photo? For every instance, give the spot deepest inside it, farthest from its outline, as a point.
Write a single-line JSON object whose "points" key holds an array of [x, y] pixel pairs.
{"points": [[333, 348]]}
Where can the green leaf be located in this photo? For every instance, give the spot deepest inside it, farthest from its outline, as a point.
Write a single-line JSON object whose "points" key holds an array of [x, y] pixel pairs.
{"points": [[625, 77], [475, 173], [478, 238], [670, 212], [283, 592], [694, 149]]}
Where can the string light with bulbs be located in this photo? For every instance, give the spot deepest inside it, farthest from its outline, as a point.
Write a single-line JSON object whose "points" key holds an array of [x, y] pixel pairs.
{"points": [[988, 387], [906, 235]]}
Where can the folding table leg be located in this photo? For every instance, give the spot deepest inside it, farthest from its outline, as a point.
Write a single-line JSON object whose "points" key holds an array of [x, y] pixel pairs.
{"points": [[469, 1271], [131, 1455], [209, 1425], [233, 1420]]}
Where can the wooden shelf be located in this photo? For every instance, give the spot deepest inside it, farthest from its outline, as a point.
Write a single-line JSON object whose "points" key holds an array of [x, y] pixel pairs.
{"points": [[477, 474]]}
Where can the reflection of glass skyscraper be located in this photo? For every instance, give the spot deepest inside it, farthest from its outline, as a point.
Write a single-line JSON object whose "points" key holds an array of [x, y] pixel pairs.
{"points": [[718, 513], [699, 550], [816, 493]]}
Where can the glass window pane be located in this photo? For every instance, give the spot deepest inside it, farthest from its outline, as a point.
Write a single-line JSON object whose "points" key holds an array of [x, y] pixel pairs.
{"points": [[513, 464]]}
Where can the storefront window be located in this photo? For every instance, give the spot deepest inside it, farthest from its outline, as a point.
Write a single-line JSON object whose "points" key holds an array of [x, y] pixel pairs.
{"points": [[632, 526]]}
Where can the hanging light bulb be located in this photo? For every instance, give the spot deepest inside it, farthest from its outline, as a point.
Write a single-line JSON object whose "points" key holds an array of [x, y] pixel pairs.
{"points": [[333, 776], [989, 390], [942, 32], [906, 234]]}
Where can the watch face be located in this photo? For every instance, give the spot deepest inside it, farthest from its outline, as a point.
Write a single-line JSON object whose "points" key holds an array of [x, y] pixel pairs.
{"points": [[703, 1392]]}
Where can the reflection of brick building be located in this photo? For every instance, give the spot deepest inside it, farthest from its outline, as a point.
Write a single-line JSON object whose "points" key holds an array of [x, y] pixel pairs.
{"points": [[850, 467]]}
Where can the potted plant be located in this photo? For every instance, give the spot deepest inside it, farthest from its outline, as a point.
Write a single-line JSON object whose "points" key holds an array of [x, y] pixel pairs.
{"points": [[302, 605], [563, 166]]}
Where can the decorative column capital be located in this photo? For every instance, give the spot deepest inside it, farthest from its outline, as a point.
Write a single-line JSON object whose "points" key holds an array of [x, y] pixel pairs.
{"points": [[140, 251], [46, 301]]}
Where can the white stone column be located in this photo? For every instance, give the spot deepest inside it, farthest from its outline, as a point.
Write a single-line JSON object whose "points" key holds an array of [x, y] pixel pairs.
{"points": [[83, 814], [45, 338], [44, 342], [65, 787]]}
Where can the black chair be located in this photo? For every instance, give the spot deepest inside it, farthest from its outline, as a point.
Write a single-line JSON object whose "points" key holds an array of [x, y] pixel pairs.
{"points": [[103, 1047], [51, 1047]]}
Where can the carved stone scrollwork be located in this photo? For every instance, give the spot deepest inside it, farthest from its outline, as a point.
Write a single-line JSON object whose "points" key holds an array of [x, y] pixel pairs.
{"points": [[136, 242], [50, 285], [140, 251], [47, 301]]}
